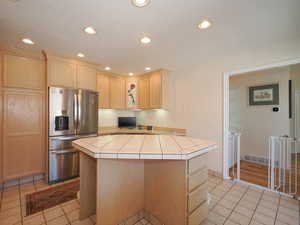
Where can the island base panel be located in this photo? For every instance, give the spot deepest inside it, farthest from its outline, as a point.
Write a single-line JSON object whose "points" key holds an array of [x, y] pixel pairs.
{"points": [[169, 192], [166, 190], [120, 190], [88, 169]]}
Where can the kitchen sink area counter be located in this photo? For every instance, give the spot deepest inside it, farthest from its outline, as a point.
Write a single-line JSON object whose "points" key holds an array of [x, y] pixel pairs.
{"points": [[142, 130], [160, 177]]}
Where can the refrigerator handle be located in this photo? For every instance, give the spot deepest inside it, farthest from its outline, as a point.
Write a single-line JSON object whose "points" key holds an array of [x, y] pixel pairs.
{"points": [[75, 112], [79, 105]]}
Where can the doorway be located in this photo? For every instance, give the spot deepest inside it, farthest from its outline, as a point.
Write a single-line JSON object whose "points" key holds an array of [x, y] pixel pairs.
{"points": [[248, 128]]}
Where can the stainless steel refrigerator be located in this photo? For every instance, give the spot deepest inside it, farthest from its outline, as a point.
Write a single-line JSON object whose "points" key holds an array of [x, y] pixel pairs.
{"points": [[73, 114]]}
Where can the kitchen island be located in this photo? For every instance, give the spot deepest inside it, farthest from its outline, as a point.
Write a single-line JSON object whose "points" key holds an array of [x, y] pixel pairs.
{"points": [[124, 178]]}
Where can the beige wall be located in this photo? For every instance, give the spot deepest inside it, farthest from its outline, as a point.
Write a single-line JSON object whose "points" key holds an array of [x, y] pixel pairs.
{"points": [[199, 90], [295, 77], [258, 123]]}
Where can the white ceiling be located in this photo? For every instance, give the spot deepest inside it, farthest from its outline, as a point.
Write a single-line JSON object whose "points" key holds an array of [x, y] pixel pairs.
{"points": [[239, 26]]}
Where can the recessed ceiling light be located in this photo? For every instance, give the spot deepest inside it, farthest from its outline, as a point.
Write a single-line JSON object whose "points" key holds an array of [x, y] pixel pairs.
{"points": [[147, 68], [80, 55], [204, 24], [90, 30], [145, 40], [131, 74], [107, 68], [140, 3], [27, 41]]}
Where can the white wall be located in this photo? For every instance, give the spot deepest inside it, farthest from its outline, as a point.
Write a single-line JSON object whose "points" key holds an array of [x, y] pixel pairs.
{"points": [[295, 122], [258, 123], [109, 117], [199, 89]]}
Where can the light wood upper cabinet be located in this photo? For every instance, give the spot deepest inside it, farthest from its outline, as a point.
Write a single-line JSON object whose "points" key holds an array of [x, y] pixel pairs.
{"points": [[143, 92], [86, 77], [117, 92], [155, 92], [23, 72], [61, 73], [103, 89], [70, 73], [23, 134]]}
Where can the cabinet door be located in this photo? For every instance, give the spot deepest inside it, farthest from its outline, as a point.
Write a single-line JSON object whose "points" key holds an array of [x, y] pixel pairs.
{"points": [[22, 72], [103, 89], [117, 92], [62, 74], [155, 90], [143, 93], [86, 78], [1, 135], [23, 134]]}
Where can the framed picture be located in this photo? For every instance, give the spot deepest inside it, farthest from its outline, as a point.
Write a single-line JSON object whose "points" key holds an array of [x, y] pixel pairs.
{"points": [[264, 95], [132, 94]]}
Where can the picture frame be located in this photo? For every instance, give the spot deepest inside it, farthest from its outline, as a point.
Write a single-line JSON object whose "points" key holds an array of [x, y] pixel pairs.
{"points": [[132, 94], [264, 95]]}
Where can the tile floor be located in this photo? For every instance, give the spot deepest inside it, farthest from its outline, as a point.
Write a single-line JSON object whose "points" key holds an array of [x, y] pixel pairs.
{"points": [[230, 203]]}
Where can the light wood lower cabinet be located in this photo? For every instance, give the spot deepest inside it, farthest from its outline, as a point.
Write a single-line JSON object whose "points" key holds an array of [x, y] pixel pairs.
{"points": [[23, 134], [117, 92], [115, 190], [1, 134], [22, 72], [197, 189], [168, 194], [103, 89]]}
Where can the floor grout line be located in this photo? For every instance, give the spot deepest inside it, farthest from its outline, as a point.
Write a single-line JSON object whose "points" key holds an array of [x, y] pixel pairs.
{"points": [[223, 189], [278, 205], [65, 214], [261, 196], [236, 204]]}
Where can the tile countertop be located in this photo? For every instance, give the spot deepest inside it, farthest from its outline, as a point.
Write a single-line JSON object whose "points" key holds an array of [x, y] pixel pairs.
{"points": [[143, 147], [156, 130]]}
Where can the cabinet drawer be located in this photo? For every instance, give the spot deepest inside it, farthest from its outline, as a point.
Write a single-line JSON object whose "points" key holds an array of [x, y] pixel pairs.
{"points": [[197, 197], [197, 163], [197, 179], [198, 215]]}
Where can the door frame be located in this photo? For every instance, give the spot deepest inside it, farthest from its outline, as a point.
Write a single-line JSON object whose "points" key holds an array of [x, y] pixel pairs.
{"points": [[226, 77]]}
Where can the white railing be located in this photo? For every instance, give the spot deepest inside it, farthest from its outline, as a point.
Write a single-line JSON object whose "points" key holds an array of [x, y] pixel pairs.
{"points": [[283, 164], [234, 154]]}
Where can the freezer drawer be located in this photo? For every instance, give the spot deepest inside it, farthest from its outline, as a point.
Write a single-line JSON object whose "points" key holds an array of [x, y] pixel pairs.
{"points": [[63, 164]]}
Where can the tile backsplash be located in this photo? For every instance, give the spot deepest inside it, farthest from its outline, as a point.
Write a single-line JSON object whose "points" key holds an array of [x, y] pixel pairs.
{"points": [[109, 117]]}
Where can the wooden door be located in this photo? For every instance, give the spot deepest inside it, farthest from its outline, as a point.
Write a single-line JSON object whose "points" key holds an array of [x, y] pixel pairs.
{"points": [[23, 72], [1, 133], [117, 92], [61, 73], [103, 89], [23, 134], [143, 93], [155, 90], [86, 77], [1, 118]]}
